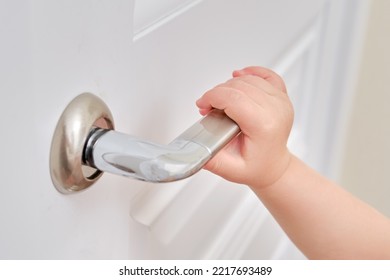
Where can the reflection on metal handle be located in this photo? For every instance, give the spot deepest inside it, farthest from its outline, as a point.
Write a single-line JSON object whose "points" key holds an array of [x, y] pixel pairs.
{"points": [[118, 153]]}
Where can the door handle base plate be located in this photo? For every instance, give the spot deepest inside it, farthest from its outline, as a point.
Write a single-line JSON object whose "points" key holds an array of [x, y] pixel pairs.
{"points": [[83, 113]]}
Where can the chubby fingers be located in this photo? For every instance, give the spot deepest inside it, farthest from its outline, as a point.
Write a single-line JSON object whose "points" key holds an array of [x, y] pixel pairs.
{"points": [[251, 85], [245, 97], [264, 73], [237, 105], [245, 82]]}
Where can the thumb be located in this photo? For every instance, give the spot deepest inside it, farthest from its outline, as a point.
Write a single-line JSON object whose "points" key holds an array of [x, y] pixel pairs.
{"points": [[228, 163]]}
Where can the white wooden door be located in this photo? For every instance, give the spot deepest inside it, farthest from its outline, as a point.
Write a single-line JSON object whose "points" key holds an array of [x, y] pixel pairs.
{"points": [[149, 60]]}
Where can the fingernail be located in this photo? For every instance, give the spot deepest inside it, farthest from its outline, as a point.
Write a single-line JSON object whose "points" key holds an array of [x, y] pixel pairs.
{"points": [[236, 72]]}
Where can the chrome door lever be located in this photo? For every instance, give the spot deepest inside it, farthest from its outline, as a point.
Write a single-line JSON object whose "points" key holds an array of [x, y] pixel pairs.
{"points": [[107, 150], [118, 153]]}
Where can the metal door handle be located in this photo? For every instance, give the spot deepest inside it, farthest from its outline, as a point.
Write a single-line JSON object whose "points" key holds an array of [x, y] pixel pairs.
{"points": [[114, 152]]}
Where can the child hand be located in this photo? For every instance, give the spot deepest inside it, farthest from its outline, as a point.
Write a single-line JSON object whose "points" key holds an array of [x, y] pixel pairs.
{"points": [[256, 99]]}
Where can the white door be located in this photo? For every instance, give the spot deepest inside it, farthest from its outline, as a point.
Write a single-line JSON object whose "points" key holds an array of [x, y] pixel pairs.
{"points": [[149, 60]]}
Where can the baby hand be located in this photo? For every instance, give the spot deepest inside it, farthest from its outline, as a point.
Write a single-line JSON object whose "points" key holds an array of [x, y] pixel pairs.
{"points": [[256, 99]]}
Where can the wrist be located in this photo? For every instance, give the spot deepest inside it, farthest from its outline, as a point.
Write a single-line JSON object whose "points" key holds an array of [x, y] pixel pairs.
{"points": [[276, 175]]}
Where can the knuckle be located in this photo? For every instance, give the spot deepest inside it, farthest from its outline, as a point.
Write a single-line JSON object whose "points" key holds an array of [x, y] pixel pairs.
{"points": [[234, 95]]}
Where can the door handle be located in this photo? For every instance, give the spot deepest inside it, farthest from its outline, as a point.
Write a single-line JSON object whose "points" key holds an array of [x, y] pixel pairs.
{"points": [[118, 153], [98, 146]]}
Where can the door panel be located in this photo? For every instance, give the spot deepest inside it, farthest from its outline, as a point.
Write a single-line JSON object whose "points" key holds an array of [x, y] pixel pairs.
{"points": [[174, 66], [57, 51], [149, 66]]}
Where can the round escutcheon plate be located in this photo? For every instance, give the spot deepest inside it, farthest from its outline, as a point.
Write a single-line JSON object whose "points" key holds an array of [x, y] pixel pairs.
{"points": [[82, 114]]}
